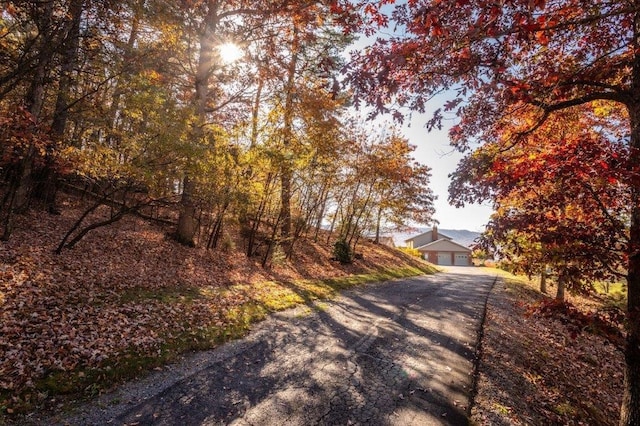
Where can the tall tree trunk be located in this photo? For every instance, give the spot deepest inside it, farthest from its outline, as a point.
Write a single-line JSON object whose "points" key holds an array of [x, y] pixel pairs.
{"points": [[255, 226], [285, 197], [69, 61], [216, 232], [356, 228], [35, 95], [256, 111], [334, 220], [543, 279], [562, 279], [21, 186], [127, 59], [47, 185], [287, 136], [321, 210], [378, 221], [350, 213], [272, 242], [630, 410], [34, 102], [187, 222]]}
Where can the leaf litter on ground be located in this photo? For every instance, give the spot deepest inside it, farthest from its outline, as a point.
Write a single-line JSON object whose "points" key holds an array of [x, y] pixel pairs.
{"points": [[128, 297]]}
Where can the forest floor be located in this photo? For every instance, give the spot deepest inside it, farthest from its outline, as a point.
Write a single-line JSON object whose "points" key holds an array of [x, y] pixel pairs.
{"points": [[128, 299]]}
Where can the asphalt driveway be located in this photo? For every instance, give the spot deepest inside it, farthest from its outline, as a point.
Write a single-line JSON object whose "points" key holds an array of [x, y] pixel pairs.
{"points": [[395, 353]]}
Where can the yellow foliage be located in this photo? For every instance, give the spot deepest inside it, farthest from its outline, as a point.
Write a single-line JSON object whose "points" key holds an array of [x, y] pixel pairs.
{"points": [[410, 251], [602, 108]]}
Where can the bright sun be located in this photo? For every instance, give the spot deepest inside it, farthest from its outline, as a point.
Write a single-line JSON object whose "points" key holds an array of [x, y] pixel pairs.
{"points": [[230, 52]]}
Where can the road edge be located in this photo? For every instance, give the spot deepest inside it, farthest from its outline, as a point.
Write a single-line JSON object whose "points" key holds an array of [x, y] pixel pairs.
{"points": [[477, 356]]}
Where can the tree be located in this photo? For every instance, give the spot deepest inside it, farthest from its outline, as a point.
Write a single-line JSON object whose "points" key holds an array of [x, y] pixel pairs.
{"points": [[295, 119], [216, 20], [561, 195], [54, 67], [402, 194], [41, 31], [21, 137], [308, 65], [548, 55], [213, 16], [378, 183], [358, 178]]}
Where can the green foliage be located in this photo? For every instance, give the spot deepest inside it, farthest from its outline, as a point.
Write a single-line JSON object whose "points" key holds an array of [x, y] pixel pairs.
{"points": [[480, 254], [614, 293], [342, 252]]}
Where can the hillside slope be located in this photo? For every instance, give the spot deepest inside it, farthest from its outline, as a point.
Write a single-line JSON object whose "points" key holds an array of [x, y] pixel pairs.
{"points": [[128, 298]]}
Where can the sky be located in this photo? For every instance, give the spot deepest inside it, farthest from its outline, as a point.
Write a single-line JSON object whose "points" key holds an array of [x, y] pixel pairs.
{"points": [[433, 150]]}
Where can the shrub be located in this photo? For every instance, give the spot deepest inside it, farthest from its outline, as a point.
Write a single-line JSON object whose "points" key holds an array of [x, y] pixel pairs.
{"points": [[410, 251], [228, 245], [342, 252], [278, 257]]}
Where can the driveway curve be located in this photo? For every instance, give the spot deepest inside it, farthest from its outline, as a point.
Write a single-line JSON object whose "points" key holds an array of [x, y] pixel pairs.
{"points": [[395, 353]]}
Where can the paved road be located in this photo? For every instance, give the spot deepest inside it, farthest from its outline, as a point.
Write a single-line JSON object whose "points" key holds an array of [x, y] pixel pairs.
{"points": [[396, 353]]}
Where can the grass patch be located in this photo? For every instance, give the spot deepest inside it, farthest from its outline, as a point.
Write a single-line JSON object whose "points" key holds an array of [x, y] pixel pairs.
{"points": [[565, 409], [274, 296], [383, 275], [614, 294], [510, 276], [501, 409]]}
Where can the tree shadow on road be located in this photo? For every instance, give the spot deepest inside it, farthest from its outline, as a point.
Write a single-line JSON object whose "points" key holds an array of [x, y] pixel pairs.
{"points": [[386, 354]]}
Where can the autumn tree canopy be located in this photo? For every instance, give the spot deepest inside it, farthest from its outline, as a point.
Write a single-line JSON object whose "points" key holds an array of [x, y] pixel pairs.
{"points": [[561, 195], [134, 102]]}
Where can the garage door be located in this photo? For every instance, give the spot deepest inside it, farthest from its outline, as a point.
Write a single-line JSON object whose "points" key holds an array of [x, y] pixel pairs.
{"points": [[461, 259], [444, 258]]}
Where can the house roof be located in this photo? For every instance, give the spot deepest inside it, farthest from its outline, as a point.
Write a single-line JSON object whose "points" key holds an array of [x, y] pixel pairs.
{"points": [[387, 241], [440, 236], [443, 244]]}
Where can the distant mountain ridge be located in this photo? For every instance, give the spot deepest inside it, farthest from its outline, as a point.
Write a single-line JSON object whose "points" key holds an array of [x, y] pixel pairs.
{"points": [[460, 236]]}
